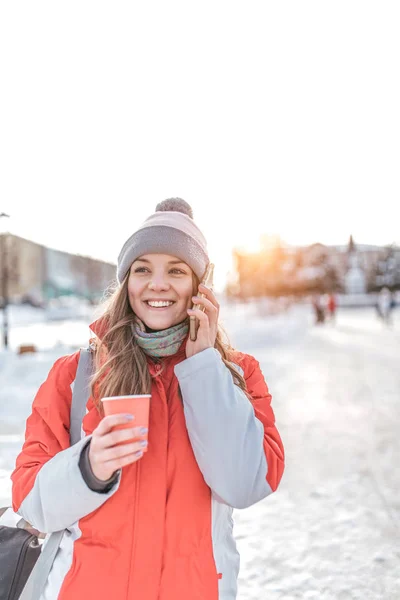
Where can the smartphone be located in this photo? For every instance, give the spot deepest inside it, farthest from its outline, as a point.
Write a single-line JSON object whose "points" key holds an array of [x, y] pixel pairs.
{"points": [[208, 282]]}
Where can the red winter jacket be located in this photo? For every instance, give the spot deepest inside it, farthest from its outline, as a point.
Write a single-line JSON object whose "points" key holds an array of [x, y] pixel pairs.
{"points": [[164, 531]]}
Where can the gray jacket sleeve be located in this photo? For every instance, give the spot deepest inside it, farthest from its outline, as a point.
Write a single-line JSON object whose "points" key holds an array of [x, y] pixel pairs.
{"points": [[226, 436], [60, 495]]}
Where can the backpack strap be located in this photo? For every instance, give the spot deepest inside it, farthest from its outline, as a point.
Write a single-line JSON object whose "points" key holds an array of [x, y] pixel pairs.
{"points": [[80, 395]]}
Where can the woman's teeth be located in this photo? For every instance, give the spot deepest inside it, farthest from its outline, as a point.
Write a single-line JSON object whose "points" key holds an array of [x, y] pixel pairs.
{"points": [[159, 304]]}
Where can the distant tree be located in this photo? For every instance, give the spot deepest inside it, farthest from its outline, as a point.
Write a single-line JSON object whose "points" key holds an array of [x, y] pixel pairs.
{"points": [[387, 270]]}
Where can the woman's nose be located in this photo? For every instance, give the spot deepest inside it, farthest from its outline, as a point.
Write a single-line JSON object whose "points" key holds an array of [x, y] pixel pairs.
{"points": [[158, 283]]}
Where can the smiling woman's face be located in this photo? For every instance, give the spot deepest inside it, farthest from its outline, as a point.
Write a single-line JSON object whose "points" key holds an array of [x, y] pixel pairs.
{"points": [[160, 290]]}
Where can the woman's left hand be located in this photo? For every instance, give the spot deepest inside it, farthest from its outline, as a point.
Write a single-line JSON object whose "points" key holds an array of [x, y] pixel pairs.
{"points": [[208, 322]]}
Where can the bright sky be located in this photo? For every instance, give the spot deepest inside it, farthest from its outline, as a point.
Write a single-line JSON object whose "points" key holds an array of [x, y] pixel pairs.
{"points": [[267, 117]]}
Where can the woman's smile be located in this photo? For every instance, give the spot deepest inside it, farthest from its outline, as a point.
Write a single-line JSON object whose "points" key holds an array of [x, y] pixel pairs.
{"points": [[159, 304]]}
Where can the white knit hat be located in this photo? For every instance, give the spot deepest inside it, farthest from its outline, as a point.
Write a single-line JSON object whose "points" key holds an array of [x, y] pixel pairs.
{"points": [[170, 230]]}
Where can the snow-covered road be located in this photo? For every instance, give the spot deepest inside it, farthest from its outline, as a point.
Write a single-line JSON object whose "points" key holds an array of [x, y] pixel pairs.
{"points": [[331, 531]]}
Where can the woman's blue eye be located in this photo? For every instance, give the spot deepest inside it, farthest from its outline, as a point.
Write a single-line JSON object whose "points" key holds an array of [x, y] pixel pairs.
{"points": [[140, 269], [179, 271]]}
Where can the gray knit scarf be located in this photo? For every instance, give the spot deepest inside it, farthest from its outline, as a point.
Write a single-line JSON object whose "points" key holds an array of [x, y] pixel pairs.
{"points": [[160, 343]]}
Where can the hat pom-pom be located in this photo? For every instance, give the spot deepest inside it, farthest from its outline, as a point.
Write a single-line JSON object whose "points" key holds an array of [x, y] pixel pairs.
{"points": [[175, 205]]}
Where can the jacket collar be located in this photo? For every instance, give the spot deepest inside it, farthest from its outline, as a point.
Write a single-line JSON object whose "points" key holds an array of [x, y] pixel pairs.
{"points": [[99, 327]]}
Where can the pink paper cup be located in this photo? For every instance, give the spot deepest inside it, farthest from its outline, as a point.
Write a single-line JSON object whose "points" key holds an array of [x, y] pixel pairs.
{"points": [[136, 405]]}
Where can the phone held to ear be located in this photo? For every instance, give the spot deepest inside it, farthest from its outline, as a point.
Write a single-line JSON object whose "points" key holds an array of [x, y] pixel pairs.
{"points": [[208, 280]]}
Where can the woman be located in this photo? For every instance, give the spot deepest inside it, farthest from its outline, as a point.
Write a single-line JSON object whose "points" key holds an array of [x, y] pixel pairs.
{"points": [[158, 525]]}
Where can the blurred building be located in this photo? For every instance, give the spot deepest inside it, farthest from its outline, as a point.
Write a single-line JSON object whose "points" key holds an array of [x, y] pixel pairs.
{"points": [[283, 270], [36, 273]]}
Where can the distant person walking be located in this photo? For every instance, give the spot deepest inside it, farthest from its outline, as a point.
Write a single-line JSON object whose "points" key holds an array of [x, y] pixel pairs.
{"points": [[331, 306], [385, 305], [319, 311]]}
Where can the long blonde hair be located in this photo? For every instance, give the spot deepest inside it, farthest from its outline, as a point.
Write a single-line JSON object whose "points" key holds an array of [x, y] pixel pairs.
{"points": [[121, 366]]}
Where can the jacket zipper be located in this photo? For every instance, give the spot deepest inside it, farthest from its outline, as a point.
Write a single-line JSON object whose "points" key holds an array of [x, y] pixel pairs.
{"points": [[135, 511], [158, 369]]}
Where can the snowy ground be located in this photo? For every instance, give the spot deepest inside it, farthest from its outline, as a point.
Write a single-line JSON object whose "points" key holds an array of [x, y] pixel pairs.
{"points": [[331, 531]]}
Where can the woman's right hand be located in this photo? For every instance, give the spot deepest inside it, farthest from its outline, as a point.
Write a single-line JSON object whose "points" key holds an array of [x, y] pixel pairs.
{"points": [[105, 456]]}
